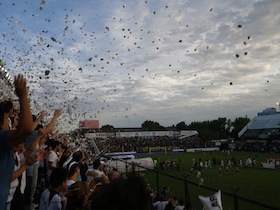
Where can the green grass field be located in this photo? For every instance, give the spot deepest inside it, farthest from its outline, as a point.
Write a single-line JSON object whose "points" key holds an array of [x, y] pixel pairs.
{"points": [[255, 183]]}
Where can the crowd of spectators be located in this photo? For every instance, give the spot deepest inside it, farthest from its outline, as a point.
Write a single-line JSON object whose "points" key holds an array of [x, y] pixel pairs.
{"points": [[270, 147], [39, 170], [143, 144]]}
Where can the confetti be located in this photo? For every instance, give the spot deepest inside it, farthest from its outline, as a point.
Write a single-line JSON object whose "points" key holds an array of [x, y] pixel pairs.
{"points": [[53, 39], [47, 72]]}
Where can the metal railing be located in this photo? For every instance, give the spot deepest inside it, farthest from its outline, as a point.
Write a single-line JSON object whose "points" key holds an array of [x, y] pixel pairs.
{"points": [[234, 196]]}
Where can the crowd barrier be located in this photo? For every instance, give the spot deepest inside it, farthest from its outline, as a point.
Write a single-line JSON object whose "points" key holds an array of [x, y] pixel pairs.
{"points": [[234, 201]]}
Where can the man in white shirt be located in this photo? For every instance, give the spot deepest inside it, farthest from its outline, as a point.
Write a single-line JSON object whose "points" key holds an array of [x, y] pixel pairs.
{"points": [[180, 205], [96, 172], [50, 198], [73, 173], [160, 205], [53, 157]]}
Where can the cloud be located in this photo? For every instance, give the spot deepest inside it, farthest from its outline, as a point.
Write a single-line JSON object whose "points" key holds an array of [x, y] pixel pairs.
{"points": [[126, 62]]}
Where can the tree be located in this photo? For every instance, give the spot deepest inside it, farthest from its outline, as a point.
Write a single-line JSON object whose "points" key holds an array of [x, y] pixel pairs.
{"points": [[181, 126], [107, 128], [238, 124], [206, 134], [208, 130], [151, 125]]}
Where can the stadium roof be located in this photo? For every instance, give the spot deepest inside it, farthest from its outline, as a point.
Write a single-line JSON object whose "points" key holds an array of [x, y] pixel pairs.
{"points": [[266, 120]]}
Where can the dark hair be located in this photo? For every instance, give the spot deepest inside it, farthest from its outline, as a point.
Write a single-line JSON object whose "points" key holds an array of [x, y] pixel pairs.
{"points": [[8, 105], [34, 117], [96, 164], [72, 169], [77, 156], [12, 119], [181, 202], [122, 194], [58, 176], [76, 196], [52, 143]]}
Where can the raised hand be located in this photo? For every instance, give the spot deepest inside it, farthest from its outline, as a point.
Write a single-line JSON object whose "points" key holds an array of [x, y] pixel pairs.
{"points": [[42, 114], [57, 112], [20, 86], [30, 160]]}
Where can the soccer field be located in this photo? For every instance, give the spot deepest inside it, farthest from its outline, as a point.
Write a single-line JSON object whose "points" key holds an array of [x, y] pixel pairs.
{"points": [[254, 183]]}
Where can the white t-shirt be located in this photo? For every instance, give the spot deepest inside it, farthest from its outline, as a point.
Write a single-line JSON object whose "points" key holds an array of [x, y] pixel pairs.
{"points": [[179, 207], [54, 159], [69, 182], [158, 205], [97, 174], [23, 177], [164, 203], [14, 184], [54, 204]]}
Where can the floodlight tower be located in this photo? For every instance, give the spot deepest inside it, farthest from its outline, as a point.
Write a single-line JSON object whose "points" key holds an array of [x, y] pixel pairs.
{"points": [[278, 104]]}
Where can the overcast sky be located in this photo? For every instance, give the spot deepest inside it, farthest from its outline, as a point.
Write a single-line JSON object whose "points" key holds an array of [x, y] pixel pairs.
{"points": [[124, 62]]}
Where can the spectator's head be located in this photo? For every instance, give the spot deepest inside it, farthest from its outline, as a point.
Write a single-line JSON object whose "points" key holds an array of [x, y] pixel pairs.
{"points": [[181, 202], [66, 151], [8, 107], [123, 194], [34, 117], [77, 196], [14, 121], [78, 156], [53, 144], [114, 175], [174, 201], [73, 170], [58, 178], [97, 164]]}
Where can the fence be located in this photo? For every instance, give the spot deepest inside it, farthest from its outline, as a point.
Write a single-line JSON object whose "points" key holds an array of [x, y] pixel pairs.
{"points": [[235, 201]]}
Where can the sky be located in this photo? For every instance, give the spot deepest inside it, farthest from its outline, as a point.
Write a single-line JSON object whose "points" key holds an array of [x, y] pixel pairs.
{"points": [[124, 62]]}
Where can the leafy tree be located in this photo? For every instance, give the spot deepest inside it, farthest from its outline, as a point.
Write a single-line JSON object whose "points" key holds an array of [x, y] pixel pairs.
{"points": [[238, 124], [107, 128], [181, 126], [151, 125], [209, 130], [206, 134]]}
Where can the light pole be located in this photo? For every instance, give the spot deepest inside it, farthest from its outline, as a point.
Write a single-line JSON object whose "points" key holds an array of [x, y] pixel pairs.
{"points": [[278, 104]]}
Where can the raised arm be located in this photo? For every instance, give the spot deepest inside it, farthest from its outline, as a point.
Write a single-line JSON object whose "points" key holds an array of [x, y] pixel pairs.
{"points": [[52, 123], [25, 122], [30, 160], [32, 147], [38, 120]]}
